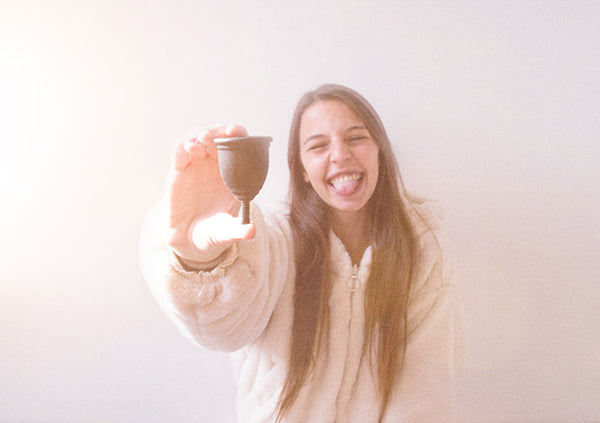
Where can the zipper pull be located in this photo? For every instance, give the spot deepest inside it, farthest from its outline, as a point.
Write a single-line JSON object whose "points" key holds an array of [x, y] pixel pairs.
{"points": [[353, 281]]}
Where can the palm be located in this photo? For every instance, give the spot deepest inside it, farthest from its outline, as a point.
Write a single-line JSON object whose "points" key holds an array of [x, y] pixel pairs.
{"points": [[197, 192]]}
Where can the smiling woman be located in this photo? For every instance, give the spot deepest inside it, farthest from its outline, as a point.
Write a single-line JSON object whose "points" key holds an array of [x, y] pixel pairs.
{"points": [[493, 108], [338, 309], [340, 159]]}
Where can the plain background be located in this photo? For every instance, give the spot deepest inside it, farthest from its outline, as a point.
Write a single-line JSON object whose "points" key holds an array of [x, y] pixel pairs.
{"points": [[493, 108]]}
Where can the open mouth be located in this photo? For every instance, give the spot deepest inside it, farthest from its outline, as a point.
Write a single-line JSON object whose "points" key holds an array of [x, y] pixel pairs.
{"points": [[346, 184]]}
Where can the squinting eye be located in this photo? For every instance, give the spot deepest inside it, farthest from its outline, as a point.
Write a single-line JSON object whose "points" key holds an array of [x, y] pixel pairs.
{"points": [[316, 147], [357, 138]]}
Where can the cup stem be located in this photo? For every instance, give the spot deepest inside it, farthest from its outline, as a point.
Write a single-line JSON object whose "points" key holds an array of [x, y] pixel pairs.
{"points": [[245, 212]]}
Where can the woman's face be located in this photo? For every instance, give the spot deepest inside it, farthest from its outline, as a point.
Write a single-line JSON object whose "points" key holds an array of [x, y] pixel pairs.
{"points": [[340, 158]]}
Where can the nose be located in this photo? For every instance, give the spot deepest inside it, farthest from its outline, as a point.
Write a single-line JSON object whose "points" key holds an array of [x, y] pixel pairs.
{"points": [[339, 152]]}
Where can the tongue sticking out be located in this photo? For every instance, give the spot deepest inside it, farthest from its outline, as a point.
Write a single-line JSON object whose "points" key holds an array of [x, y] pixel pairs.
{"points": [[346, 186]]}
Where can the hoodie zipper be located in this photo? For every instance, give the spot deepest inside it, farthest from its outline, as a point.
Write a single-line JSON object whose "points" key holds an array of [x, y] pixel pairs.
{"points": [[352, 283]]}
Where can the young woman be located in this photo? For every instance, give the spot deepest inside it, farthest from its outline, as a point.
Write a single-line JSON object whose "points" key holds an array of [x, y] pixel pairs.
{"points": [[339, 310]]}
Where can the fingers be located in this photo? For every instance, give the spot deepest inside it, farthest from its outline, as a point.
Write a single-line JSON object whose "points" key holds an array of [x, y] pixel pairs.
{"points": [[181, 157], [220, 231], [198, 146], [227, 229], [250, 231], [202, 145], [238, 232], [236, 131], [208, 136]]}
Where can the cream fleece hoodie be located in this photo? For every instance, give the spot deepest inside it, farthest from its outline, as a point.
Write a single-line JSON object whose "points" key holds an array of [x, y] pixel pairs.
{"points": [[244, 306]]}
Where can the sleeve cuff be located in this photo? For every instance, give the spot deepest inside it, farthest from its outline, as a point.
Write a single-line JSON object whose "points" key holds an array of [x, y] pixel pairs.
{"points": [[216, 266]]}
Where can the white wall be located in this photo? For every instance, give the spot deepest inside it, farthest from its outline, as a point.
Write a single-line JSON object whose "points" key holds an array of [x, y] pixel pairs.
{"points": [[494, 109]]}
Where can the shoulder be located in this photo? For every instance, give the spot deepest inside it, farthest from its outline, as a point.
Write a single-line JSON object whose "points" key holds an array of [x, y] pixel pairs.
{"points": [[272, 223], [434, 269], [276, 215], [426, 215]]}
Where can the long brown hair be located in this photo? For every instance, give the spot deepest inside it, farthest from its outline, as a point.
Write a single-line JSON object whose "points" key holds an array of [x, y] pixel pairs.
{"points": [[394, 248]]}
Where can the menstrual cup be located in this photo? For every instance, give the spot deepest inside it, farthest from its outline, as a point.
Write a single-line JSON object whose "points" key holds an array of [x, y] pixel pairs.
{"points": [[243, 163]]}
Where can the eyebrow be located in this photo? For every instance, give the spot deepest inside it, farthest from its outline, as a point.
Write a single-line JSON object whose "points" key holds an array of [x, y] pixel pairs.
{"points": [[352, 128], [312, 137]]}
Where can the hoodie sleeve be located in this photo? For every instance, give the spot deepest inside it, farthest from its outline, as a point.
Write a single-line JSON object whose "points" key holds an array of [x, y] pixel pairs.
{"points": [[228, 305], [436, 332]]}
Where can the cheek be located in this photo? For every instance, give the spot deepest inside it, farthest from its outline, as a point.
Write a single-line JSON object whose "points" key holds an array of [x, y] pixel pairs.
{"points": [[371, 160], [304, 168], [315, 167], [375, 167]]}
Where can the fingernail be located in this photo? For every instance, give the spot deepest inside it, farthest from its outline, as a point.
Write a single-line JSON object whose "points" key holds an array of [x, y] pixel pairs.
{"points": [[231, 128], [204, 134]]}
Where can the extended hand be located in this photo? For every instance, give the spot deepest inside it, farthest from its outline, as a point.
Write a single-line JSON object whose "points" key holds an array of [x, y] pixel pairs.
{"points": [[201, 209]]}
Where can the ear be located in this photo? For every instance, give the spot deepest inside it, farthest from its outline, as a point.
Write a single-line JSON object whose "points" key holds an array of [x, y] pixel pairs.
{"points": [[305, 177]]}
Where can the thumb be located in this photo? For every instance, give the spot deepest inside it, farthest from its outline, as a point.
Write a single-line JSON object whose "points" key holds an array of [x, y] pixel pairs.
{"points": [[220, 231], [233, 230]]}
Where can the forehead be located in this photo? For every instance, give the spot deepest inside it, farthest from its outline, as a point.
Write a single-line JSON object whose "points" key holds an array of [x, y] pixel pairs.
{"points": [[327, 115]]}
